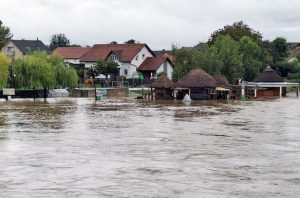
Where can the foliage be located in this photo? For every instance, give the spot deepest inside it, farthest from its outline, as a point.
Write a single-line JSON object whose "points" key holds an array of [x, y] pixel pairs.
{"points": [[209, 60], [104, 67], [59, 40], [130, 41], [185, 60], [251, 53], [229, 54], [223, 57], [4, 64], [236, 31], [280, 50], [298, 57], [5, 35], [39, 70], [113, 42], [64, 76]]}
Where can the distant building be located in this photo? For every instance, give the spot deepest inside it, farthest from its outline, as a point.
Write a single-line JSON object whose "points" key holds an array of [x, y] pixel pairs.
{"points": [[15, 49], [71, 55]]}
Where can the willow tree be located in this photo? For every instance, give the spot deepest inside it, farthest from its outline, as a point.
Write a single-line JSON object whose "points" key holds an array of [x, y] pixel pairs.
{"points": [[39, 70], [4, 63], [34, 71], [64, 76]]}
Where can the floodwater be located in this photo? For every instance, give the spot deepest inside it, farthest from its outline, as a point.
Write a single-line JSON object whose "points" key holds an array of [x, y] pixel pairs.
{"points": [[130, 148]]}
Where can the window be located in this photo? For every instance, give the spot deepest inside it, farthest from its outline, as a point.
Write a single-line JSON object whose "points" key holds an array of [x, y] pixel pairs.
{"points": [[125, 72], [137, 57], [143, 56], [10, 51]]}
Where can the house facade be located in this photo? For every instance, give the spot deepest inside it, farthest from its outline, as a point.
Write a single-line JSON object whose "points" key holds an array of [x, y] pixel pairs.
{"points": [[152, 66], [15, 49], [128, 56]]}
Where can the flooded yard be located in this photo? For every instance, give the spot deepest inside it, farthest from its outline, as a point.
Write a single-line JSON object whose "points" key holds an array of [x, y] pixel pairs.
{"points": [[131, 148]]}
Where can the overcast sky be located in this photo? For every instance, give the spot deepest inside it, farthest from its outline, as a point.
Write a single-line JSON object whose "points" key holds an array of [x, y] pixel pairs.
{"points": [[159, 23]]}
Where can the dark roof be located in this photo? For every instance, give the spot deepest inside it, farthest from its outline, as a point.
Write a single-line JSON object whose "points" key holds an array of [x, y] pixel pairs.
{"points": [[268, 75], [221, 81], [293, 45], [71, 52], [163, 82], [28, 46], [197, 78], [153, 63], [125, 52]]}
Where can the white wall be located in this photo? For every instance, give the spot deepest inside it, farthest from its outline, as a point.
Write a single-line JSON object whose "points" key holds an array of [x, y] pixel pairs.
{"points": [[73, 61], [139, 58], [170, 69], [88, 64]]}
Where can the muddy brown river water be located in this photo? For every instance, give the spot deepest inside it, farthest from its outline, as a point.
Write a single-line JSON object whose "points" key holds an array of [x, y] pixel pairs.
{"points": [[129, 148]]}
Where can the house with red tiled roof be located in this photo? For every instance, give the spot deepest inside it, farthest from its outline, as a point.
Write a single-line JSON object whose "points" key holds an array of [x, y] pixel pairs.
{"points": [[71, 54], [155, 65], [128, 56]]}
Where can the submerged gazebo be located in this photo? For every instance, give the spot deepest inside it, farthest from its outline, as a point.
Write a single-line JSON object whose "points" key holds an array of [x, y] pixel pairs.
{"points": [[198, 84], [163, 88], [223, 87], [269, 83]]}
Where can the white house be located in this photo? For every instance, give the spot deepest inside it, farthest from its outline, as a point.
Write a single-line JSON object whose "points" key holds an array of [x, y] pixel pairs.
{"points": [[152, 66], [128, 56]]}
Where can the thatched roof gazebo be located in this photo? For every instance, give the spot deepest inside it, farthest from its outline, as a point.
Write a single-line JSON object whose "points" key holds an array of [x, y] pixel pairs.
{"points": [[163, 82], [221, 81], [199, 83], [164, 87], [269, 75], [223, 87], [269, 83]]}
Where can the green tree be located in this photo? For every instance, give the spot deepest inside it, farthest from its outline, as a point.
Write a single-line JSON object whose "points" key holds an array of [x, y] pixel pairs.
{"points": [[59, 40], [229, 54], [184, 61], [209, 60], [64, 76], [4, 64], [252, 62], [106, 67], [130, 41], [5, 35], [280, 50], [38, 70], [236, 31]]}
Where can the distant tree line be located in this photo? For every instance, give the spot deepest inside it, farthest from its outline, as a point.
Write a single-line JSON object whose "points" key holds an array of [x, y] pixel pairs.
{"points": [[236, 51]]}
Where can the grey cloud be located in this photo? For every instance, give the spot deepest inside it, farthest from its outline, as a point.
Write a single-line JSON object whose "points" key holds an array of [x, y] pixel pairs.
{"points": [[158, 23]]}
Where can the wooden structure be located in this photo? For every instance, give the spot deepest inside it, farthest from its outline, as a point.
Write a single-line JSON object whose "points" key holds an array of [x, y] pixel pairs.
{"points": [[269, 83], [198, 84], [223, 87], [163, 88]]}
